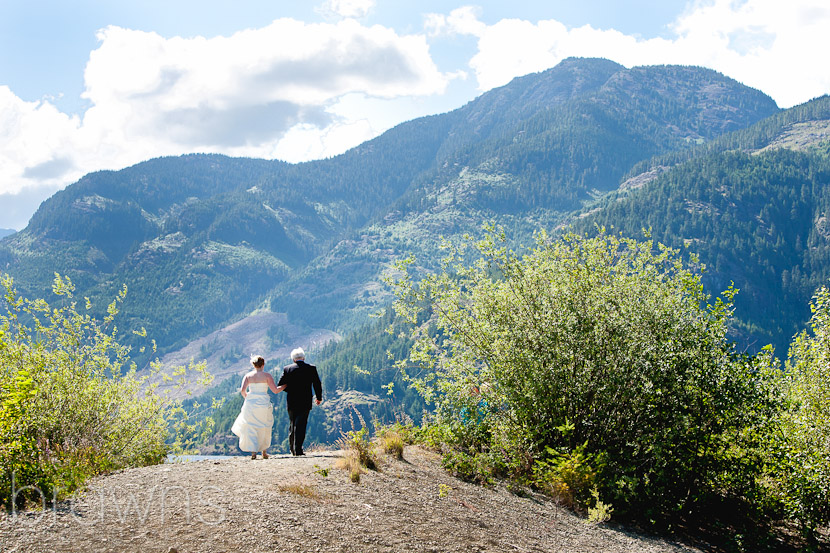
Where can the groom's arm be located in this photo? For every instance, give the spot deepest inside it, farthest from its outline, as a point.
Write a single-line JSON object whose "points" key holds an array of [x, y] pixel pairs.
{"points": [[318, 386], [283, 379]]}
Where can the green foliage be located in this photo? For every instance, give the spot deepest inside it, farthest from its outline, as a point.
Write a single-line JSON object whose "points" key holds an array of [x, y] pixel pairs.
{"points": [[392, 438], [801, 453], [358, 453], [603, 350], [570, 475], [72, 405], [600, 512]]}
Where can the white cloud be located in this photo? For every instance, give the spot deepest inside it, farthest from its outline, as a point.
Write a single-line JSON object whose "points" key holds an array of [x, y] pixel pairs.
{"points": [[347, 8], [252, 87], [36, 141], [462, 21], [777, 47], [270, 92]]}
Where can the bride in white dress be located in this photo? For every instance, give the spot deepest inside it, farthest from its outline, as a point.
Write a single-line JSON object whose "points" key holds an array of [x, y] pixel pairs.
{"points": [[254, 423]]}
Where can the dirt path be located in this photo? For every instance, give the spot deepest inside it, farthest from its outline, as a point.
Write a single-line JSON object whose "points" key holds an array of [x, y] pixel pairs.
{"points": [[304, 504]]}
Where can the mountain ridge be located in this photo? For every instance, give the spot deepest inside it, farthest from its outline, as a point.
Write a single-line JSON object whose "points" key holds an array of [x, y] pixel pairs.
{"points": [[201, 240]]}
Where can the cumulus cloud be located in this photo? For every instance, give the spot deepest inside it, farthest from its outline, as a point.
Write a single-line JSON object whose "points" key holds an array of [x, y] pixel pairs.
{"points": [[347, 8], [463, 20], [250, 88], [34, 141], [774, 46], [770, 45], [241, 95]]}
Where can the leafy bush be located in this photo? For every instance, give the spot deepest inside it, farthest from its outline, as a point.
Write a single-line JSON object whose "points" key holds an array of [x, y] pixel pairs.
{"points": [[71, 403], [600, 512], [570, 476], [801, 453], [612, 336]]}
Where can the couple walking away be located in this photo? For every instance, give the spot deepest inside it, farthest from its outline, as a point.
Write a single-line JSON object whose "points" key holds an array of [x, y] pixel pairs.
{"points": [[254, 423]]}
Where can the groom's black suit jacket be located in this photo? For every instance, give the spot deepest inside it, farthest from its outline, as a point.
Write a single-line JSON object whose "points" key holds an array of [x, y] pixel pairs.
{"points": [[299, 378]]}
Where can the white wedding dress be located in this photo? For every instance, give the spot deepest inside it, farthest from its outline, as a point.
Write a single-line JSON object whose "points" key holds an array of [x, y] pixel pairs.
{"points": [[254, 423]]}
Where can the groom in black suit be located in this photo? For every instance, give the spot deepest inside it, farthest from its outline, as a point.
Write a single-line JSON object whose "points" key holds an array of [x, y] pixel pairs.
{"points": [[299, 377]]}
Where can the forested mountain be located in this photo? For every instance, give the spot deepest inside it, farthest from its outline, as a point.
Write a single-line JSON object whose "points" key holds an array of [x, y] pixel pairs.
{"points": [[204, 240], [526, 168], [754, 205], [200, 239]]}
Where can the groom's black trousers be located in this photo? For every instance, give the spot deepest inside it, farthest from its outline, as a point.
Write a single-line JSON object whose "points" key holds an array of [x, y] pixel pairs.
{"points": [[296, 431]]}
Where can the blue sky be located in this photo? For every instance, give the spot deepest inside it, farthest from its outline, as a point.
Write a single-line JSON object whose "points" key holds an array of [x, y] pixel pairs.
{"points": [[96, 84], [45, 45]]}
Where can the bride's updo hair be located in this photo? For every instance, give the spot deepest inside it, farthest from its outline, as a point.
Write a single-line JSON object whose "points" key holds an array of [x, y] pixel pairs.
{"points": [[257, 361]]}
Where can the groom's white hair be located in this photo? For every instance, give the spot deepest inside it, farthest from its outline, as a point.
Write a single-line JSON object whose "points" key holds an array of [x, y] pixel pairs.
{"points": [[297, 354]]}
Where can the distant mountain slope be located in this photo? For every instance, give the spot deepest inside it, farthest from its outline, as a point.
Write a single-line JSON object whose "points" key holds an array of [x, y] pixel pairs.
{"points": [[587, 131], [6, 231], [757, 216], [203, 239]]}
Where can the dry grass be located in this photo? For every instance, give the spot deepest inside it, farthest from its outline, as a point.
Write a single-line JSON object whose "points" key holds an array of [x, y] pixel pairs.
{"points": [[357, 444], [350, 462], [392, 443], [301, 489]]}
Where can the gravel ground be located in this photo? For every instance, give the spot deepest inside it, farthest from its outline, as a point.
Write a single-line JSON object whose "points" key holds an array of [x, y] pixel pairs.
{"points": [[304, 504]]}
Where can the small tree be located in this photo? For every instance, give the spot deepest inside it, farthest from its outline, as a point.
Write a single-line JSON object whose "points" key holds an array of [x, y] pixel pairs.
{"points": [[72, 405], [600, 353], [802, 451]]}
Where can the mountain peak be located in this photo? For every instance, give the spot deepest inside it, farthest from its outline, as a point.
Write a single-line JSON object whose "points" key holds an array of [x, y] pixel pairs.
{"points": [[179, 230]]}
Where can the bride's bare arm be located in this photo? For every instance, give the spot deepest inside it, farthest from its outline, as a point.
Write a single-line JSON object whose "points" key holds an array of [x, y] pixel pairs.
{"points": [[273, 386], [243, 390]]}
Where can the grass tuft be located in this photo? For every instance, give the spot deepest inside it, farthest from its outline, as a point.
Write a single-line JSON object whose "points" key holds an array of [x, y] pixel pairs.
{"points": [[357, 443], [351, 464], [301, 489], [392, 443]]}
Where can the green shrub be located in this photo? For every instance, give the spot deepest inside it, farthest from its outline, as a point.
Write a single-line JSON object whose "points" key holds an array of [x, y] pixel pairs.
{"points": [[472, 467], [613, 336], [569, 476], [406, 429], [391, 443], [71, 403], [599, 512], [800, 454], [392, 438]]}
